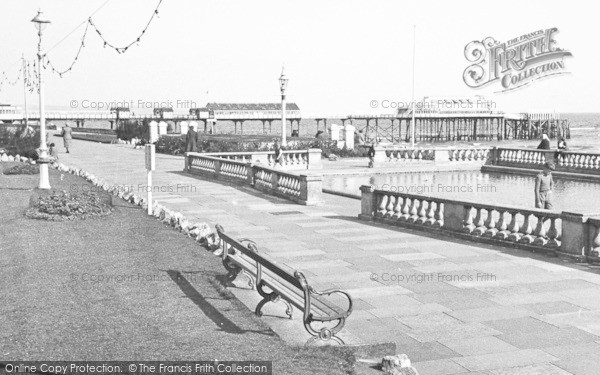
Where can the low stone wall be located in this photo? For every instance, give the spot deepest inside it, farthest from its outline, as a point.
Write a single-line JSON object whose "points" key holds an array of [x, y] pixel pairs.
{"points": [[563, 233], [300, 188], [390, 155], [569, 163], [292, 159]]}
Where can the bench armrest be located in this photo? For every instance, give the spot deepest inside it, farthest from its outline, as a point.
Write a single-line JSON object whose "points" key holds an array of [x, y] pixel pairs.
{"points": [[309, 291]]}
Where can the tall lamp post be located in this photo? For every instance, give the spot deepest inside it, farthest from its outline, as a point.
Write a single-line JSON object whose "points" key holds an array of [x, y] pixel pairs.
{"points": [[283, 81], [40, 24]]}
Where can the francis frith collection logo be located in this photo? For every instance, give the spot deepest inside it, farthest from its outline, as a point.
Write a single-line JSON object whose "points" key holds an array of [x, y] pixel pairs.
{"points": [[515, 63]]}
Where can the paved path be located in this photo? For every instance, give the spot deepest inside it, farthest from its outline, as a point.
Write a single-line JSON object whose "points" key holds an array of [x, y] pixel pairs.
{"points": [[454, 307]]}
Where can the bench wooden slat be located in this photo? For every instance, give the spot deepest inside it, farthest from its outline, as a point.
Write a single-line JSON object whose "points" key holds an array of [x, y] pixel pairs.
{"points": [[321, 306]]}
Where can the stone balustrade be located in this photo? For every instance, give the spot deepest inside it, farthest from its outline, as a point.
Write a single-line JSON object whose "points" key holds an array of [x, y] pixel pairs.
{"points": [[593, 244], [291, 159], [564, 161], [571, 234], [300, 188], [385, 155]]}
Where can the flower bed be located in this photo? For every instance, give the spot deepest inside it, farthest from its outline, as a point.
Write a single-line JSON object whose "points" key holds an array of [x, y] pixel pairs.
{"points": [[23, 168], [60, 206], [200, 232]]}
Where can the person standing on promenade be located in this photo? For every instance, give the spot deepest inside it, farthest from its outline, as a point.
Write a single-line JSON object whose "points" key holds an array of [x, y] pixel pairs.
{"points": [[545, 143], [278, 153], [371, 155], [543, 188], [52, 152], [562, 144], [198, 139], [67, 136], [191, 140]]}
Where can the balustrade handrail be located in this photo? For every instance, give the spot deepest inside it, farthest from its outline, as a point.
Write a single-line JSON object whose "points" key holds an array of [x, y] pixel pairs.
{"points": [[244, 153], [245, 163], [210, 157], [529, 211], [275, 170], [540, 150]]}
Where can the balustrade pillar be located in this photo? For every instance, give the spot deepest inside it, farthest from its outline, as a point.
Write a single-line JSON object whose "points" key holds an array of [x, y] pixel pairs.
{"points": [[368, 203], [574, 234]]}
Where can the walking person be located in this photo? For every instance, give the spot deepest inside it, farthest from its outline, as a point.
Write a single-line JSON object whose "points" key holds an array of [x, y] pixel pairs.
{"points": [[191, 140], [67, 136], [543, 188]]}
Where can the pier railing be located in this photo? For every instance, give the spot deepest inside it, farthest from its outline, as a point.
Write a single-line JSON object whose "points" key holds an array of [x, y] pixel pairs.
{"points": [[300, 188], [535, 229], [392, 154], [564, 161], [291, 159]]}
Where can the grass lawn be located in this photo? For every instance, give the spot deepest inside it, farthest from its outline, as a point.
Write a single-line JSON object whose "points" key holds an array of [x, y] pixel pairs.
{"points": [[124, 287]]}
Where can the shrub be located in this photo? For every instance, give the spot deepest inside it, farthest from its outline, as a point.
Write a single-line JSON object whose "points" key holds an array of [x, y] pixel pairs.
{"points": [[129, 129], [170, 145], [233, 143], [23, 168], [19, 140]]}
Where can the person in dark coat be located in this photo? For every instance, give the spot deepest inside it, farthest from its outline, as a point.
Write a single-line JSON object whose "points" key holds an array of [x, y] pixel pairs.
{"points": [[191, 140], [67, 136], [371, 154], [545, 143]]}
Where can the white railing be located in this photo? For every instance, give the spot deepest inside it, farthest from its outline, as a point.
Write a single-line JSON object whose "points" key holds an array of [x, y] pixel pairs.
{"points": [[532, 228], [300, 188], [564, 161], [291, 159]]}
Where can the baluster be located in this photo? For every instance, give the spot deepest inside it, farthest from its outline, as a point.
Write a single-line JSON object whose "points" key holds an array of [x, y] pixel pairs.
{"points": [[479, 223], [405, 210], [389, 208], [540, 232], [383, 198], [595, 245], [439, 215], [398, 207], [553, 234], [431, 208], [468, 221], [423, 212], [502, 231], [490, 224], [414, 211], [526, 230]]}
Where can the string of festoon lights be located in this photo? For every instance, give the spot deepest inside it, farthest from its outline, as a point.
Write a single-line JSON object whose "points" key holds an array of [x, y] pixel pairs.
{"points": [[90, 23], [29, 70]]}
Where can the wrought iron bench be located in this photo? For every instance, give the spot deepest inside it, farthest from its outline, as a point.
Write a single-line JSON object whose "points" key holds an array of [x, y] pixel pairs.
{"points": [[286, 285]]}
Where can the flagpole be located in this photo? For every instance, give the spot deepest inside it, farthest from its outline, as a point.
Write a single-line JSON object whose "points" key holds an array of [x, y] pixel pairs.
{"points": [[412, 128]]}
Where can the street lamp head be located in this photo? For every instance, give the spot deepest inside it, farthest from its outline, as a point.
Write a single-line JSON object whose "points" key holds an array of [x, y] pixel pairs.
{"points": [[283, 81], [40, 21]]}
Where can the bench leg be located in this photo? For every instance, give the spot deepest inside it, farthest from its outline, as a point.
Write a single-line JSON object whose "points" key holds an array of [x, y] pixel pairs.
{"points": [[271, 297], [325, 334], [233, 271]]}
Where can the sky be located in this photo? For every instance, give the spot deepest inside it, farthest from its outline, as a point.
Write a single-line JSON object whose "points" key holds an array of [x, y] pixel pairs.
{"points": [[339, 56]]}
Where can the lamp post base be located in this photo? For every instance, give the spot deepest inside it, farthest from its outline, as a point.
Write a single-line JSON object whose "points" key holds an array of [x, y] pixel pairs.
{"points": [[44, 175]]}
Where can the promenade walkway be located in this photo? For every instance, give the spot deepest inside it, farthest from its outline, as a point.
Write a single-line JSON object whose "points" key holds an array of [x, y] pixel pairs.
{"points": [[453, 306]]}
